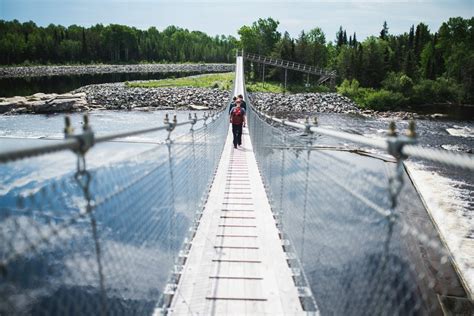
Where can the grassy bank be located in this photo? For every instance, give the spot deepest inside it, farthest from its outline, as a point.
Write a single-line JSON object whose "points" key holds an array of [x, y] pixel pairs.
{"points": [[222, 81], [278, 87]]}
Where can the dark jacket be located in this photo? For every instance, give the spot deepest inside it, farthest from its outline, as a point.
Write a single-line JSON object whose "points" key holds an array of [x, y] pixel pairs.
{"points": [[231, 105]]}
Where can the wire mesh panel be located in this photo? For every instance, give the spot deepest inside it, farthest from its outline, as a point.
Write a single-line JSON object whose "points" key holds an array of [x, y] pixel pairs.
{"points": [[363, 248], [101, 240]]}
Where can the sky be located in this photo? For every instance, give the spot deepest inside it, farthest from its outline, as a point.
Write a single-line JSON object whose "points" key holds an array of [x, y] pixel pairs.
{"points": [[216, 17]]}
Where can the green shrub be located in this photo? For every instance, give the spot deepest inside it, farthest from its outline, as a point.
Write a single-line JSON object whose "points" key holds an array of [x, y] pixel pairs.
{"points": [[371, 98], [398, 82], [449, 90], [322, 89], [441, 90], [352, 90], [348, 88], [384, 100]]}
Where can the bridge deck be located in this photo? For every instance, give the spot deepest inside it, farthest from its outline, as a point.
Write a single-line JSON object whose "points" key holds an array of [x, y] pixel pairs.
{"points": [[236, 264]]}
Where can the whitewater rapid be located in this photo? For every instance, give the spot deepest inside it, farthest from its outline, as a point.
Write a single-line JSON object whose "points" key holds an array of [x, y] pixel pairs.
{"points": [[447, 202]]}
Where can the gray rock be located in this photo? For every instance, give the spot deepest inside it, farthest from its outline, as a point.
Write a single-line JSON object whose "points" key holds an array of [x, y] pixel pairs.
{"points": [[44, 103], [55, 105], [71, 95], [305, 102], [43, 96], [198, 107], [117, 95], [6, 106]]}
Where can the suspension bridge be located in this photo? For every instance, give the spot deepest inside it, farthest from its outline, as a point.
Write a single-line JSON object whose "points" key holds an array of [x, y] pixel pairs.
{"points": [[286, 224]]}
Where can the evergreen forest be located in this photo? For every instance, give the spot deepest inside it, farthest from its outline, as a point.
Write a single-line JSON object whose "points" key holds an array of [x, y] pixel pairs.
{"points": [[26, 43], [383, 71]]}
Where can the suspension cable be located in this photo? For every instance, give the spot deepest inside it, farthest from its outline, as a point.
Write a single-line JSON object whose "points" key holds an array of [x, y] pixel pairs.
{"points": [[74, 143]]}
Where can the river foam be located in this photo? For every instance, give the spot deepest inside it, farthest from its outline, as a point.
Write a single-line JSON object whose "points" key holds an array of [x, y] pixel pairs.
{"points": [[460, 131], [447, 203]]}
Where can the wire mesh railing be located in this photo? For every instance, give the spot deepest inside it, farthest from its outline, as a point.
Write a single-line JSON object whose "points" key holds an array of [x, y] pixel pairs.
{"points": [[102, 239], [355, 225]]}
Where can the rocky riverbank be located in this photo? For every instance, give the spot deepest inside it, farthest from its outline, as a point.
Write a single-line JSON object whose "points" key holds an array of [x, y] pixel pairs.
{"points": [[39, 71], [305, 103], [41, 103], [116, 96]]}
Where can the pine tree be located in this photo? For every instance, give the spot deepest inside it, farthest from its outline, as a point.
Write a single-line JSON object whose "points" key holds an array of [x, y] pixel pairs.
{"points": [[438, 62], [354, 40], [411, 37], [360, 73], [422, 37], [384, 31], [84, 45], [353, 65], [344, 38], [340, 37], [386, 58], [410, 64]]}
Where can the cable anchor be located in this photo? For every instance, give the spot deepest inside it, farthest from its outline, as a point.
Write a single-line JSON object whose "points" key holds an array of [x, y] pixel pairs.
{"points": [[171, 125], [395, 148], [85, 141]]}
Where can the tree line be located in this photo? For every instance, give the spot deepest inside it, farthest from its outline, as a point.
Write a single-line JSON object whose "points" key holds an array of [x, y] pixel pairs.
{"points": [[386, 70], [25, 43]]}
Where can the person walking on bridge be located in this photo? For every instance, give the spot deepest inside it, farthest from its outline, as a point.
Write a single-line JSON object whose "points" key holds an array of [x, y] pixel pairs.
{"points": [[243, 104], [232, 104], [237, 118]]}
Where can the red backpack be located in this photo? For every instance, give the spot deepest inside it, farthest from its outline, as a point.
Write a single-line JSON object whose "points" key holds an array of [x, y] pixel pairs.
{"points": [[237, 116]]}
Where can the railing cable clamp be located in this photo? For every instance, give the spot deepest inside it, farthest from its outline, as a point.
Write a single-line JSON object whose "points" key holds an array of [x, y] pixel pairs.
{"points": [[395, 147], [171, 125], [85, 140]]}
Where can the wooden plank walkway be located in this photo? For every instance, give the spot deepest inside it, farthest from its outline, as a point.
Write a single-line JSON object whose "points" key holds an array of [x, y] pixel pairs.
{"points": [[236, 264]]}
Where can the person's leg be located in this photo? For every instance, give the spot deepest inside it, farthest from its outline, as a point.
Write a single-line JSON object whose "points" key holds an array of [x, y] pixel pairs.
{"points": [[239, 138], [235, 134]]}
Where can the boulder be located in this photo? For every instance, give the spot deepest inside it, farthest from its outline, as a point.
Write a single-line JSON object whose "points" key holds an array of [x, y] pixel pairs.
{"points": [[198, 107], [9, 104], [44, 96], [56, 105], [6, 106], [71, 95], [19, 110], [16, 99]]}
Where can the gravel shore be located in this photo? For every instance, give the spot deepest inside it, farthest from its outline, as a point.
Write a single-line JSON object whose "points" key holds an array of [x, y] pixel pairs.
{"points": [[118, 96], [305, 103], [39, 71]]}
